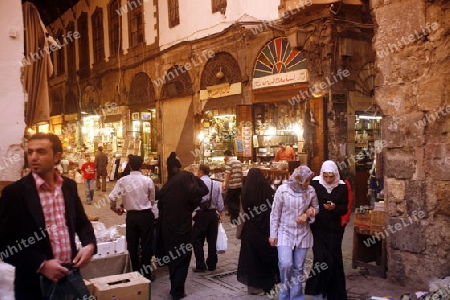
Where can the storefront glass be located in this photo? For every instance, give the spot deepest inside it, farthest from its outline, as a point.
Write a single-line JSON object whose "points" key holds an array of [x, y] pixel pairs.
{"points": [[276, 123], [218, 134], [141, 140]]}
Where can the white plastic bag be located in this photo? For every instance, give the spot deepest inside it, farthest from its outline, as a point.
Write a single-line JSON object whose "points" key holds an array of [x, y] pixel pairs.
{"points": [[222, 240]]}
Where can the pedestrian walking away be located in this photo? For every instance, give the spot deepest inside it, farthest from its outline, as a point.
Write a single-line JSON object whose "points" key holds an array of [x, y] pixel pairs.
{"points": [[173, 165], [232, 184], [206, 221], [177, 200], [101, 162], [138, 196], [258, 260]]}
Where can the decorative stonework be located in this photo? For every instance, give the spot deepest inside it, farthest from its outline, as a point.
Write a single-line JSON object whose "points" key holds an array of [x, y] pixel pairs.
{"points": [[277, 57], [221, 62], [141, 90], [177, 83], [90, 99]]}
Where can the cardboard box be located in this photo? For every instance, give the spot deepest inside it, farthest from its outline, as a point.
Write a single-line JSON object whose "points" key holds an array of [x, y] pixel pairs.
{"points": [[120, 245], [362, 220], [90, 286], [377, 219], [104, 249], [128, 286]]}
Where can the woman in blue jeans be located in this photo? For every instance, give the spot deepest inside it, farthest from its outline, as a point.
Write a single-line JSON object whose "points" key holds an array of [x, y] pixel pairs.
{"points": [[294, 208]]}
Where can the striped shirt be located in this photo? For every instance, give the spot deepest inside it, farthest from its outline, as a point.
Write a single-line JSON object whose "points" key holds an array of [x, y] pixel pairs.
{"points": [[54, 209], [233, 166], [287, 206]]}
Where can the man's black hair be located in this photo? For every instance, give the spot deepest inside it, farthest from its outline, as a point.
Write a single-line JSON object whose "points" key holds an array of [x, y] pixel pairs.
{"points": [[204, 168], [54, 139], [136, 162]]}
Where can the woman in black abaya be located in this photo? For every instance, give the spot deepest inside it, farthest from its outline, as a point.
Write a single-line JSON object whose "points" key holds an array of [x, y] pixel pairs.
{"points": [[177, 200], [328, 283], [258, 260]]}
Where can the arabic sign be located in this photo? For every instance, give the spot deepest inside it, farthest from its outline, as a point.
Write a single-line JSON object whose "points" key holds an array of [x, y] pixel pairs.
{"points": [[280, 79], [220, 91]]}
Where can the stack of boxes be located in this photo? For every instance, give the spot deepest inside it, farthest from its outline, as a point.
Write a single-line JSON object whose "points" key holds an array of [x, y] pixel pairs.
{"points": [[108, 240], [370, 221]]}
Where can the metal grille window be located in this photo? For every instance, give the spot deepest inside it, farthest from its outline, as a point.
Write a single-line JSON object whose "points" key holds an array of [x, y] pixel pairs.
{"points": [[83, 43], [219, 6], [174, 13], [136, 26], [114, 27], [60, 57], [97, 35]]}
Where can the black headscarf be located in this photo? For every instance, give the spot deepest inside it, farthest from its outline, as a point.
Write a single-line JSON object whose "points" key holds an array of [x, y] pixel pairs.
{"points": [[173, 165], [256, 190]]}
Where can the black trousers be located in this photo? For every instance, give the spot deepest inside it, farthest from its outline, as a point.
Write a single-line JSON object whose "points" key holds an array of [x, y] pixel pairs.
{"points": [[178, 271], [205, 227], [139, 235], [233, 200]]}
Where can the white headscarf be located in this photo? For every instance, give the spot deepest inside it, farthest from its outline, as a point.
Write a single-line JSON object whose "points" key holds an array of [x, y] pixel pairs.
{"points": [[329, 166]]}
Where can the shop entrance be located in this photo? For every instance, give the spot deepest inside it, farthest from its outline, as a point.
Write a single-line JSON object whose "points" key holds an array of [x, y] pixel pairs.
{"points": [[368, 171]]}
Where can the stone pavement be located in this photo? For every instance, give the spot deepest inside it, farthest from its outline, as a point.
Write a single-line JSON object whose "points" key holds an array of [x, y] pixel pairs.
{"points": [[222, 283]]}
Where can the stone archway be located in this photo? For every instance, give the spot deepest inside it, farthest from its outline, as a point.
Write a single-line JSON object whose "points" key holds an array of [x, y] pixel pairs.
{"points": [[177, 83], [223, 67], [141, 90], [277, 57]]}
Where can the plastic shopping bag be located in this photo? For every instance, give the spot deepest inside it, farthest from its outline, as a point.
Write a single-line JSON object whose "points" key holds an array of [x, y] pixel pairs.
{"points": [[222, 240], [70, 287]]}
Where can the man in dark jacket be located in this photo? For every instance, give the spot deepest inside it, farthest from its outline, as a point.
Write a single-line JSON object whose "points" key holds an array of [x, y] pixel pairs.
{"points": [[39, 217], [101, 162], [178, 198]]}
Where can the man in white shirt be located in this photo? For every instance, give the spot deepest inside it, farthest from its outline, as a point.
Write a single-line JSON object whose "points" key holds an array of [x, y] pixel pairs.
{"points": [[138, 197], [206, 223]]}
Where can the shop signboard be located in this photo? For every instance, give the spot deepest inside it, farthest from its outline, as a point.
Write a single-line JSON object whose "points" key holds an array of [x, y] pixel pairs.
{"points": [[280, 79], [247, 141], [221, 90]]}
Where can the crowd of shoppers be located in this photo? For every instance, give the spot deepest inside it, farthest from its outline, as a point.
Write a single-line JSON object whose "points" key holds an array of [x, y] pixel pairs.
{"points": [[276, 228]]}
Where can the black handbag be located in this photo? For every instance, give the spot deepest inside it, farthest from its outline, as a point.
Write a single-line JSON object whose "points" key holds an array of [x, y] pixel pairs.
{"points": [[69, 287], [207, 204]]}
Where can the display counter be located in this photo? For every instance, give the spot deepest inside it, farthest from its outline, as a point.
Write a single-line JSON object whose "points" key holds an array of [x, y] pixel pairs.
{"points": [[369, 252]]}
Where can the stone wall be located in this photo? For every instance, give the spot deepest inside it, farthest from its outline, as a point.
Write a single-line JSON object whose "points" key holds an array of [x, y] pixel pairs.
{"points": [[12, 124], [413, 89]]}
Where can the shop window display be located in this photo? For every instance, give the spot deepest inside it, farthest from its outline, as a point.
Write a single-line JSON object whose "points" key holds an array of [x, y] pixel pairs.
{"points": [[274, 124], [218, 133]]}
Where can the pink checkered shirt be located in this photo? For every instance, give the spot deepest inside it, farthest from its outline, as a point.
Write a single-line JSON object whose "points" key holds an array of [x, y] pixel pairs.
{"points": [[52, 203]]}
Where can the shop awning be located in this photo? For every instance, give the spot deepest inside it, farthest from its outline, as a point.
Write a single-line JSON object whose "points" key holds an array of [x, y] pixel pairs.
{"points": [[38, 67], [112, 119]]}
